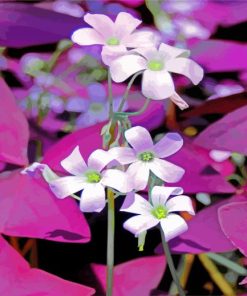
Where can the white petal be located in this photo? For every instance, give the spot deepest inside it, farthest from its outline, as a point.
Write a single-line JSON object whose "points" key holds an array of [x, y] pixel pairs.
{"points": [[87, 36], [139, 138], [65, 186], [139, 39], [173, 226], [125, 24], [147, 52], [160, 194], [140, 223], [124, 155], [111, 53], [180, 203], [101, 23], [168, 145], [139, 173], [171, 52], [99, 159], [187, 68], [166, 171], [157, 85], [136, 204], [92, 198], [118, 180], [176, 99], [125, 66], [74, 163]]}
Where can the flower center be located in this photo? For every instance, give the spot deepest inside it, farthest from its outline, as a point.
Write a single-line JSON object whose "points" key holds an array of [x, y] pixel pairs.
{"points": [[93, 177], [113, 41], [155, 65], [146, 156], [96, 107], [160, 212]]}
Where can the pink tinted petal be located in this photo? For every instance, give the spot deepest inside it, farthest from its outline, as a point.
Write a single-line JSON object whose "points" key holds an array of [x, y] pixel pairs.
{"points": [[168, 145], [140, 39], [181, 203], [185, 67], [244, 281], [147, 52], [157, 85], [140, 223], [171, 52], [99, 159], [139, 173], [125, 66], [136, 204], [139, 138], [160, 194], [111, 53], [118, 180], [123, 155], [176, 99], [65, 186], [166, 171], [101, 23], [92, 198], [74, 163], [87, 36], [173, 226], [125, 24]]}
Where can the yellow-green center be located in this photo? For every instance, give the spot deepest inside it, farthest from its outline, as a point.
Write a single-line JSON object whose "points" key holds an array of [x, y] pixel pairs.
{"points": [[93, 177], [146, 156], [155, 65], [96, 107], [113, 41], [160, 212]]}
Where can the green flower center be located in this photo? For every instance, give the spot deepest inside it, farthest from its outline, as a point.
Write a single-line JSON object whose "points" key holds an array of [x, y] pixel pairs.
{"points": [[146, 156], [96, 107], [93, 177], [160, 212], [155, 65], [113, 41]]}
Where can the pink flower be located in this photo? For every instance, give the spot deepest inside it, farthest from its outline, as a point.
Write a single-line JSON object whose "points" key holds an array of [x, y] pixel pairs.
{"points": [[145, 156]]}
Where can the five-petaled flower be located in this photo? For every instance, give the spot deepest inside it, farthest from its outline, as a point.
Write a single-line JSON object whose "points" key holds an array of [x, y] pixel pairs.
{"points": [[162, 209], [145, 156], [91, 178]]}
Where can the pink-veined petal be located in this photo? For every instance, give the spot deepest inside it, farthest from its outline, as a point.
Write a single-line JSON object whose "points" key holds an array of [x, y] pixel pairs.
{"points": [[125, 24], [168, 145], [173, 226], [171, 52], [140, 39], [157, 85], [140, 223], [92, 198], [181, 203], [123, 155], [166, 171], [160, 194], [99, 159], [101, 23], [185, 67], [87, 36], [118, 180], [74, 163], [65, 186], [125, 66], [176, 99], [136, 204], [139, 173], [139, 138]]}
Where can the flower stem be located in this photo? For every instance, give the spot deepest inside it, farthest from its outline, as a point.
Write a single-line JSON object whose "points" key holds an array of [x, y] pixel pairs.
{"points": [[110, 241], [171, 264], [110, 95]]}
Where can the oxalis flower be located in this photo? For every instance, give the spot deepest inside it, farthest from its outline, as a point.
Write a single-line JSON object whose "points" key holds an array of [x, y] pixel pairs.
{"points": [[145, 156], [162, 209], [92, 178], [115, 37], [157, 82]]}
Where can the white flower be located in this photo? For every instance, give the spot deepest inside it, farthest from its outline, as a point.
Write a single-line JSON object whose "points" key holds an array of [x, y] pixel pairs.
{"points": [[161, 210], [92, 178], [145, 156]]}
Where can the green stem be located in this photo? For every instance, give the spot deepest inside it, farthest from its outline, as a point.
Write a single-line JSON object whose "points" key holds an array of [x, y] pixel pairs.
{"points": [[171, 264], [142, 110], [110, 95]]}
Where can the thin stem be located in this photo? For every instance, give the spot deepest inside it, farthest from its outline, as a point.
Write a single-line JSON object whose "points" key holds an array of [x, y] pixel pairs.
{"points": [[142, 110], [110, 95], [171, 264]]}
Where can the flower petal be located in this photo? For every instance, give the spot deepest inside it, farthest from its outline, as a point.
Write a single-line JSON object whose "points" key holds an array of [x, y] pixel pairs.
{"points": [[160, 194], [181, 203], [125, 24], [92, 198], [87, 36], [139, 173], [176, 99], [125, 66], [171, 52], [173, 226], [187, 68], [136, 204], [157, 85], [118, 180], [139, 138], [123, 155], [140, 223], [111, 53], [140, 39], [101, 23], [166, 171], [99, 159], [65, 186], [168, 145], [74, 163]]}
